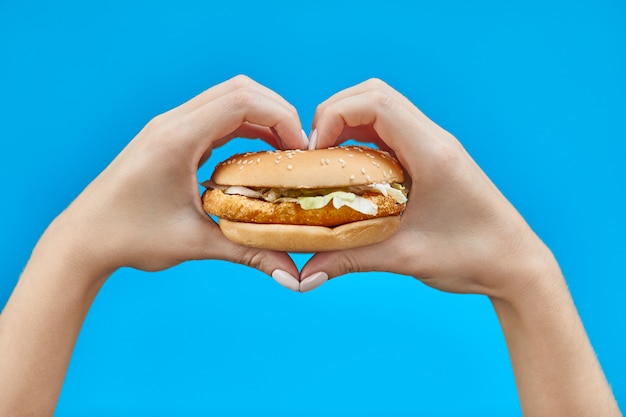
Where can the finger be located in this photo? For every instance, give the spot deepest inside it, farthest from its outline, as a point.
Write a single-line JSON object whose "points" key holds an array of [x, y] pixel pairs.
{"points": [[379, 94], [393, 124], [407, 137], [369, 85], [211, 244], [232, 84], [365, 134], [207, 126], [251, 131], [247, 131], [278, 265], [379, 257]]}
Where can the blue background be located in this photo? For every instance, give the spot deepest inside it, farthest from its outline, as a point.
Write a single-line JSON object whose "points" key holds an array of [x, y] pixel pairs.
{"points": [[535, 90]]}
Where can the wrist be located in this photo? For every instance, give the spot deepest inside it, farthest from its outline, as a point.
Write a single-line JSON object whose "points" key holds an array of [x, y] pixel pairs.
{"points": [[527, 272], [68, 251], [533, 294]]}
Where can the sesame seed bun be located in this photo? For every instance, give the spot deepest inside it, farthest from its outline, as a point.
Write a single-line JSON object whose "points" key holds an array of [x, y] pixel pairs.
{"points": [[321, 168], [285, 226]]}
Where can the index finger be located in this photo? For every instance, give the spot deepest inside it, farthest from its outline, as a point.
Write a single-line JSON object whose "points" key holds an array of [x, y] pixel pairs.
{"points": [[392, 122]]}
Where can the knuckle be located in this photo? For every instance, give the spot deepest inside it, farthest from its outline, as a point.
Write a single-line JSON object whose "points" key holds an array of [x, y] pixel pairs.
{"points": [[156, 122], [161, 134], [290, 112], [319, 110], [242, 97], [381, 99], [447, 157], [253, 258], [350, 264], [240, 81], [376, 83]]}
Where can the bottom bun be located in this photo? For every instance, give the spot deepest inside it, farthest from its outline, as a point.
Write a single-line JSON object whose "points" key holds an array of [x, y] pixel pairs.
{"points": [[295, 238]]}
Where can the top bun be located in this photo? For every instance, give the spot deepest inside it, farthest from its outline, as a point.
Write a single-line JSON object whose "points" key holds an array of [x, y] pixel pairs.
{"points": [[320, 168]]}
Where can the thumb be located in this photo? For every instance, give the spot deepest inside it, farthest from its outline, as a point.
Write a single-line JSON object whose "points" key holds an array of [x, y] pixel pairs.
{"points": [[328, 265], [278, 265]]}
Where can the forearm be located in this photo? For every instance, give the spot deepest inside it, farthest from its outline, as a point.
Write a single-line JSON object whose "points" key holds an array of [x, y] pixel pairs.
{"points": [[556, 370], [40, 324]]}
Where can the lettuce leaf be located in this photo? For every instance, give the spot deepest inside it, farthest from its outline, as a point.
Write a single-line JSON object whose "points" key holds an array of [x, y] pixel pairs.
{"points": [[339, 199]]}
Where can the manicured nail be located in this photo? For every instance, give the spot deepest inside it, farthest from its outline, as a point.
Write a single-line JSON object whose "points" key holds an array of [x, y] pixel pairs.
{"points": [[313, 281], [305, 140], [286, 279], [313, 141]]}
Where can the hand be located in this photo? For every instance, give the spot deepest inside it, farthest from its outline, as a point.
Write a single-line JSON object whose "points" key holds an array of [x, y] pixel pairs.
{"points": [[144, 210], [458, 232]]}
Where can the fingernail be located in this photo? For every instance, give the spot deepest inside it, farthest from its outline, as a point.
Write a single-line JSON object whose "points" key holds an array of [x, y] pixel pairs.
{"points": [[286, 279], [313, 141], [305, 140], [313, 281]]}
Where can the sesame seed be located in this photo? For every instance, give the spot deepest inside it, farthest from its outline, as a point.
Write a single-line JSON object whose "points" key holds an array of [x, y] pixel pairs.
{"points": [[327, 161], [376, 164], [351, 177], [290, 155], [258, 160], [363, 171], [342, 161], [276, 161], [368, 178], [370, 155], [350, 155], [290, 167], [241, 167]]}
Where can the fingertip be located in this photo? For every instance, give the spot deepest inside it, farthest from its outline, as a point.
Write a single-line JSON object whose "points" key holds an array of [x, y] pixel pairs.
{"points": [[326, 263], [313, 281], [285, 279], [305, 140], [313, 141]]}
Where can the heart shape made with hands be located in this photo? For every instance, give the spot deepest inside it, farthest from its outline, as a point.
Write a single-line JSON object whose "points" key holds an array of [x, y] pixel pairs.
{"points": [[456, 226]]}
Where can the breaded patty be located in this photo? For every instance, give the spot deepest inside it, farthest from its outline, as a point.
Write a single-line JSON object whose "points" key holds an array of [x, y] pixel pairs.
{"points": [[252, 210]]}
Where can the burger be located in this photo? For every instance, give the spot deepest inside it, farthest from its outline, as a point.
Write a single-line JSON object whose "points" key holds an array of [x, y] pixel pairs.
{"points": [[307, 200]]}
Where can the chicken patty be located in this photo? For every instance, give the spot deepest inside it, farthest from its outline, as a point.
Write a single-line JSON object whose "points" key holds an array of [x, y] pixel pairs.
{"points": [[252, 210]]}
